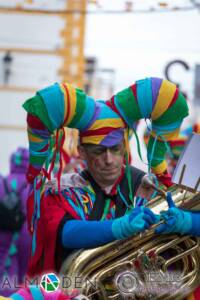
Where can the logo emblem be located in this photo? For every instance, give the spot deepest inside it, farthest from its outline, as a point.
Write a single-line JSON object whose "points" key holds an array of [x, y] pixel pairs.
{"points": [[50, 282]]}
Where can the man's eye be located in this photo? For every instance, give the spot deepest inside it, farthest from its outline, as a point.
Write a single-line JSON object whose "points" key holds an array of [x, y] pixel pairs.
{"points": [[98, 151], [115, 149]]}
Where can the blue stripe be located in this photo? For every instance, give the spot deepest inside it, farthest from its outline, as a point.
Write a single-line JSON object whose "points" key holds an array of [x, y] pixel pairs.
{"points": [[166, 128], [54, 102], [35, 146], [16, 297], [106, 112], [77, 209], [87, 115], [36, 293], [144, 97]]}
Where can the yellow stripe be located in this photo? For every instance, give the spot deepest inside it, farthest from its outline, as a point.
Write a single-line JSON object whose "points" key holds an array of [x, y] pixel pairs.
{"points": [[72, 102], [159, 169], [93, 139], [168, 136], [72, 99], [127, 145], [65, 101], [115, 123], [164, 98], [34, 139]]}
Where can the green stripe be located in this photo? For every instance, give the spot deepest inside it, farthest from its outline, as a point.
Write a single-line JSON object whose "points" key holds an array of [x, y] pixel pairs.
{"points": [[128, 104], [159, 152], [36, 107], [37, 160], [176, 112], [80, 108]]}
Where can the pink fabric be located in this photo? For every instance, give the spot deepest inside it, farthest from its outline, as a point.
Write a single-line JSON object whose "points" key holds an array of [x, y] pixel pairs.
{"points": [[57, 295]]}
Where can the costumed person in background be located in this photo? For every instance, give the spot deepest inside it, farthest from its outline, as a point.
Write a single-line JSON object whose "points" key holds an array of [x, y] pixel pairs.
{"points": [[15, 239], [99, 205]]}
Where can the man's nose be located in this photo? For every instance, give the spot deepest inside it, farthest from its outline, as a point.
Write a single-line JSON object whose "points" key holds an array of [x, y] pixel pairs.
{"points": [[109, 157]]}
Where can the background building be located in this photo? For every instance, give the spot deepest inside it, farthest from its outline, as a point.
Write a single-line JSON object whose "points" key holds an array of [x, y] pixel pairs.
{"points": [[103, 46]]}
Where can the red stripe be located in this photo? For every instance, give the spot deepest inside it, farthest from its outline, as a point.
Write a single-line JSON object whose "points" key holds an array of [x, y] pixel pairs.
{"points": [[134, 90], [68, 103], [100, 131], [34, 122], [114, 188], [111, 104], [174, 98], [32, 173], [177, 143], [61, 161], [44, 148]]}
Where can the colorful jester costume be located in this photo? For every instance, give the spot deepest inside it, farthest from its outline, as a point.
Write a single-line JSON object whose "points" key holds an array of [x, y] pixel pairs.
{"points": [[105, 123], [62, 105]]}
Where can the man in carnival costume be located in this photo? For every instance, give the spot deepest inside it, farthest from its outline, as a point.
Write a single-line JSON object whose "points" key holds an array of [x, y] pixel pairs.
{"points": [[98, 205], [15, 239]]}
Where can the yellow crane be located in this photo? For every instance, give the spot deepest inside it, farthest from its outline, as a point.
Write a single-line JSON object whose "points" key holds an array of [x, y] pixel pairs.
{"points": [[72, 52], [72, 35]]}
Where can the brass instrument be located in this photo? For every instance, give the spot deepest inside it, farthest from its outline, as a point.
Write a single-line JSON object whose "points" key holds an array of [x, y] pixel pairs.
{"points": [[140, 267]]}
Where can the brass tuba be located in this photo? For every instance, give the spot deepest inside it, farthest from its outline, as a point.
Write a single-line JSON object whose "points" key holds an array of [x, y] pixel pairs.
{"points": [[146, 266]]}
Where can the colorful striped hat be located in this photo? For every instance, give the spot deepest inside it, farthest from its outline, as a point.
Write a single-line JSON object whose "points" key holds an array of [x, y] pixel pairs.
{"points": [[104, 122]]}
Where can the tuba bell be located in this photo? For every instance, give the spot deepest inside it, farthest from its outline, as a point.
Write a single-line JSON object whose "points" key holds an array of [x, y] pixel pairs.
{"points": [[146, 266]]}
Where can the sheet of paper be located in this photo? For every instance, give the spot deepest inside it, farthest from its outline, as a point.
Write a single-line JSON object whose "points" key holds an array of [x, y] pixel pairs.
{"points": [[187, 171]]}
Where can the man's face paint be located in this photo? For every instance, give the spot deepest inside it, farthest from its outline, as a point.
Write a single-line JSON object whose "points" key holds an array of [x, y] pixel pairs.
{"points": [[104, 163]]}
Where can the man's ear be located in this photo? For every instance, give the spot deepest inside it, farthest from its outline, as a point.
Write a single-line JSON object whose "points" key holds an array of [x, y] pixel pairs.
{"points": [[82, 152]]}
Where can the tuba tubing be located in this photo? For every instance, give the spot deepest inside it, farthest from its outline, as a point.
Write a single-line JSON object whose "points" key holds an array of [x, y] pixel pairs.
{"points": [[106, 272]]}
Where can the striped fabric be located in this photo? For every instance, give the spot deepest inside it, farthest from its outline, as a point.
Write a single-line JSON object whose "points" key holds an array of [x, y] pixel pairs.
{"points": [[81, 202], [160, 101], [101, 122], [36, 293]]}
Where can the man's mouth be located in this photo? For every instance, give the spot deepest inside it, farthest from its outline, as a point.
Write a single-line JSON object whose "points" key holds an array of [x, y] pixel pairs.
{"points": [[113, 170]]}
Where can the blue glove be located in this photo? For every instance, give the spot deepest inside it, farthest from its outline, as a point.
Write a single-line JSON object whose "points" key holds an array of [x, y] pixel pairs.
{"points": [[176, 220], [87, 234], [140, 219]]}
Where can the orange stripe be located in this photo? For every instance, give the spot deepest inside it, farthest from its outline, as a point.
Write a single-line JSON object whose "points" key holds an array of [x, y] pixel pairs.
{"points": [[68, 104]]}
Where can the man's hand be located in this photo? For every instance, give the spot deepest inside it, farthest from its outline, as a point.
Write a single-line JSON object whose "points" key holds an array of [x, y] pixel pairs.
{"points": [[147, 190], [175, 220], [138, 220]]}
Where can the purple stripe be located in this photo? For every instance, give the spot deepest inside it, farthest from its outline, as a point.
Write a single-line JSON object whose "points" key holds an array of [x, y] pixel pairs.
{"points": [[97, 111], [155, 85], [42, 133], [113, 138], [38, 167]]}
